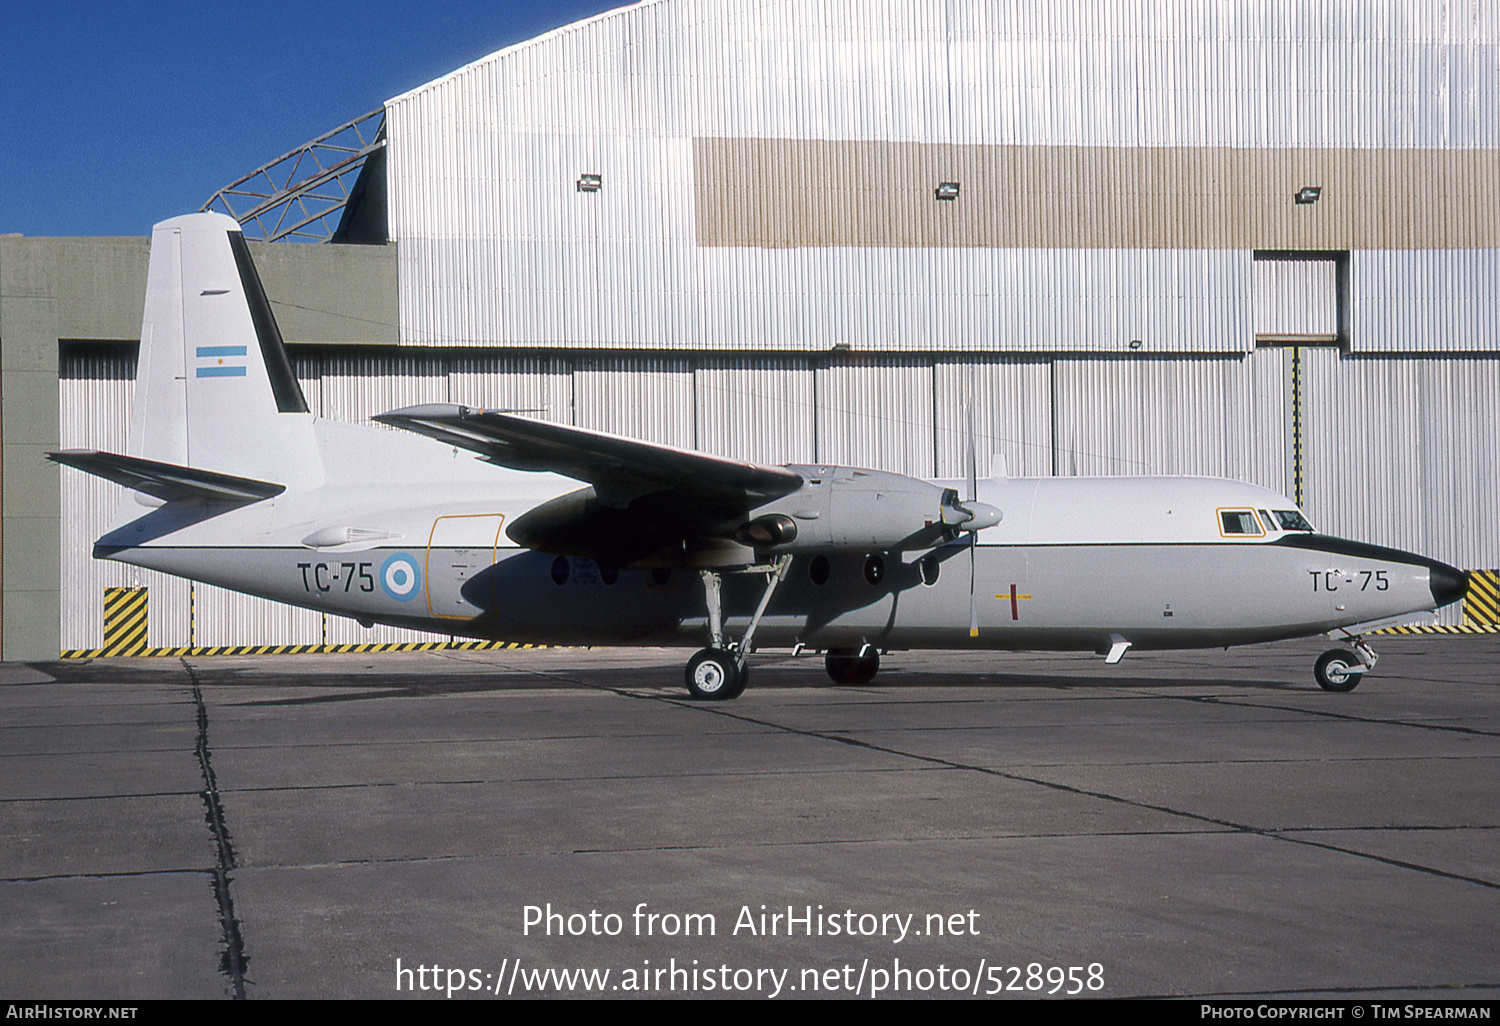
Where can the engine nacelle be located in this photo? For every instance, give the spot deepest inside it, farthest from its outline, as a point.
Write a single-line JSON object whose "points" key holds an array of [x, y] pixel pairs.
{"points": [[839, 507], [836, 507]]}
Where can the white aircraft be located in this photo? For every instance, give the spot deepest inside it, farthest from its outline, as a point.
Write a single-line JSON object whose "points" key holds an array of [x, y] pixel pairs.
{"points": [[496, 526]]}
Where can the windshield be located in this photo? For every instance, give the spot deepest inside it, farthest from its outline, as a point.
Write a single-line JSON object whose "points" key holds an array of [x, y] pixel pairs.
{"points": [[1291, 520]]}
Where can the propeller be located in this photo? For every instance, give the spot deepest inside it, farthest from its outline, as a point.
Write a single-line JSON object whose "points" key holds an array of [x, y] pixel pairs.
{"points": [[971, 515]]}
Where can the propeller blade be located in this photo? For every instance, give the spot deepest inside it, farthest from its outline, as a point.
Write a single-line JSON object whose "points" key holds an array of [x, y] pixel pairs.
{"points": [[973, 604], [973, 460]]}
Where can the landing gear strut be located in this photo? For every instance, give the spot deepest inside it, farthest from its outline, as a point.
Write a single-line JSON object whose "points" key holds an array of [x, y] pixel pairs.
{"points": [[720, 672], [1341, 670]]}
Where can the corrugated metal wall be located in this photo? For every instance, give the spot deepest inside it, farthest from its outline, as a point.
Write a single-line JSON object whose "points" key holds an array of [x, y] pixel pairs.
{"points": [[1395, 450], [96, 388], [1202, 417], [1402, 452], [1011, 403], [1430, 301], [646, 398], [877, 412], [499, 246], [762, 409]]}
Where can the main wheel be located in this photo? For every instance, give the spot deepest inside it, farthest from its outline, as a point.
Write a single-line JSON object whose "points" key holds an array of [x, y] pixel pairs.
{"points": [[713, 674], [1339, 670], [847, 666]]}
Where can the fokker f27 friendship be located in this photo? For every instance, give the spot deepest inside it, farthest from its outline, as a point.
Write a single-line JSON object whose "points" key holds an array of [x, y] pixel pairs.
{"points": [[489, 525]]}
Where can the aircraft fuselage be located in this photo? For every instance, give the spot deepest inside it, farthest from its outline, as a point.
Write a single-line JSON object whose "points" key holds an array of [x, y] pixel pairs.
{"points": [[1074, 564]]}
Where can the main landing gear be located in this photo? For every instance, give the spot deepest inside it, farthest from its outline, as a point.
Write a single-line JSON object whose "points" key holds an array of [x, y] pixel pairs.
{"points": [[1339, 669], [719, 671], [852, 665]]}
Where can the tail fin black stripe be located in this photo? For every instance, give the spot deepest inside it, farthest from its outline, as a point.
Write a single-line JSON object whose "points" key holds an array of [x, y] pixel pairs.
{"points": [[289, 398]]}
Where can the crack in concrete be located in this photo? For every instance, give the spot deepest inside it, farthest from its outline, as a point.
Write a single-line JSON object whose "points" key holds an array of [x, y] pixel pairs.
{"points": [[232, 960]]}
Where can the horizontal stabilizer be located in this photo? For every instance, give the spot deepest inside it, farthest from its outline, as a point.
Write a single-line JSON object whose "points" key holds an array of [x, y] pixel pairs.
{"points": [[166, 481], [620, 469]]}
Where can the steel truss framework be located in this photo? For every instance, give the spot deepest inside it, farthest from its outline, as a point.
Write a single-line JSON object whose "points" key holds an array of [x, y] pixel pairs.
{"points": [[301, 194]]}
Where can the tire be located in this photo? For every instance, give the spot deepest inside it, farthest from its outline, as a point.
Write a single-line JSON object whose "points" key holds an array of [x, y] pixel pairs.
{"points": [[1339, 670], [847, 666], [741, 682], [712, 675]]}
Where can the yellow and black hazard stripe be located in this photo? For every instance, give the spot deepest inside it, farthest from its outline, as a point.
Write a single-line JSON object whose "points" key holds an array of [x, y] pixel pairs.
{"points": [[1297, 426], [263, 650], [1482, 603], [125, 619], [1439, 629]]}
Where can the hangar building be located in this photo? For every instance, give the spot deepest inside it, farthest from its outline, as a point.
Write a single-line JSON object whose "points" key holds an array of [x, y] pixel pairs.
{"points": [[1226, 237]]}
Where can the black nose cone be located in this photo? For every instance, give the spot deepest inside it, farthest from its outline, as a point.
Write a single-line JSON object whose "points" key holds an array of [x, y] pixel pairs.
{"points": [[1447, 583]]}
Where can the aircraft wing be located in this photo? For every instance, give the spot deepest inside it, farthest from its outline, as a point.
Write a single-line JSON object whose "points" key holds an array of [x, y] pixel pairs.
{"points": [[620, 469]]}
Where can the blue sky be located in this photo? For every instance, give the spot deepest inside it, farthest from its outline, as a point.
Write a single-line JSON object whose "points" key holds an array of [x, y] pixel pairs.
{"points": [[114, 116]]}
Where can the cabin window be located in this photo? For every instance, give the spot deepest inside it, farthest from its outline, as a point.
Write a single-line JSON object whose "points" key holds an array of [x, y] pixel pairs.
{"points": [[1238, 521], [1265, 518], [1291, 520], [818, 570]]}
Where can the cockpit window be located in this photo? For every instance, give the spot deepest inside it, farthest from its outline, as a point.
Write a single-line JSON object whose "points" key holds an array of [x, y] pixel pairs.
{"points": [[1238, 521], [1291, 520]]}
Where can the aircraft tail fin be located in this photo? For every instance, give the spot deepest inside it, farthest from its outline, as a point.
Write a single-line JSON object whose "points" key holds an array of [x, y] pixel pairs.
{"points": [[215, 388]]}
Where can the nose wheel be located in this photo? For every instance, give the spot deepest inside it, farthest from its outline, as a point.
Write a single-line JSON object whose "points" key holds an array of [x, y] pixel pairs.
{"points": [[1341, 670]]}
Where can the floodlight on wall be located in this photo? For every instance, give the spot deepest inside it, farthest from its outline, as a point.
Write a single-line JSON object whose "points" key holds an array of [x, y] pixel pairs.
{"points": [[1307, 194], [590, 183], [946, 191], [1135, 343]]}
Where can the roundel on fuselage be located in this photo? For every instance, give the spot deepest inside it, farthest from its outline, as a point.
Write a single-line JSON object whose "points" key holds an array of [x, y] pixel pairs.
{"points": [[400, 577]]}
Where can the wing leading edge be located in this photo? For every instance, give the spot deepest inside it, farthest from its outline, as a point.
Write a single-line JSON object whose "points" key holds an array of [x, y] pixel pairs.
{"points": [[643, 499], [620, 469]]}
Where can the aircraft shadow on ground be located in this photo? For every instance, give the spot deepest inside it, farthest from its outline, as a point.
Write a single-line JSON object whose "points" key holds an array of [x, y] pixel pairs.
{"points": [[369, 688], [421, 683]]}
